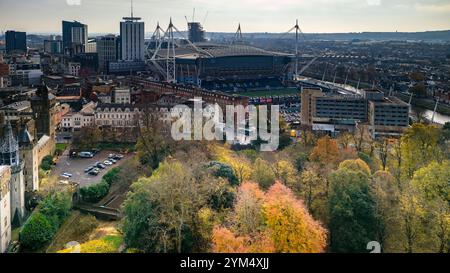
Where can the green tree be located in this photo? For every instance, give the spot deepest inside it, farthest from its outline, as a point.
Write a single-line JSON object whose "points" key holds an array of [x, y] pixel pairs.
{"points": [[263, 174], [419, 147], [432, 182], [36, 232], [351, 210], [162, 211]]}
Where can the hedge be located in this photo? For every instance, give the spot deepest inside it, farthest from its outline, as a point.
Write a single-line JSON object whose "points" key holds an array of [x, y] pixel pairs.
{"points": [[43, 224], [97, 192]]}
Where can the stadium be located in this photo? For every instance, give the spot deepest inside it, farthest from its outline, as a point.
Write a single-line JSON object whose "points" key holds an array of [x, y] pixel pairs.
{"points": [[233, 67]]}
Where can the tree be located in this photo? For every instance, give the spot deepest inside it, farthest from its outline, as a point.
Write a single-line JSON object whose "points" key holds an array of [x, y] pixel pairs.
{"points": [[36, 232], [223, 170], [419, 90], [386, 196], [292, 228], [326, 151], [285, 172], [87, 138], [351, 210], [356, 165], [247, 215], [382, 148], [419, 147], [162, 211], [153, 145], [313, 191], [263, 174], [274, 221], [432, 182]]}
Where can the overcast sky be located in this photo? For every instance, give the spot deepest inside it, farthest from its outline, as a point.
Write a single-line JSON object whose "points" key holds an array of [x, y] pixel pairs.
{"points": [[103, 16]]}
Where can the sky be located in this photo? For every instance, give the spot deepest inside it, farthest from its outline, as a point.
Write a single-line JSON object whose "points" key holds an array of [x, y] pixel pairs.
{"points": [[315, 16]]}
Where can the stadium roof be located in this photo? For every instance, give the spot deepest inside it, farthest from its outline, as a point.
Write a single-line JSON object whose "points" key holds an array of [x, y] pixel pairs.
{"points": [[211, 50]]}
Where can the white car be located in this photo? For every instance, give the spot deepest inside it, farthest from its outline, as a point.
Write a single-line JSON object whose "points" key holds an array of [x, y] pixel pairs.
{"points": [[107, 163]]}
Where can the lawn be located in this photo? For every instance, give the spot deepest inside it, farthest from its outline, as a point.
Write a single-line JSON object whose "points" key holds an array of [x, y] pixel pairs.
{"points": [[61, 146], [271, 92]]}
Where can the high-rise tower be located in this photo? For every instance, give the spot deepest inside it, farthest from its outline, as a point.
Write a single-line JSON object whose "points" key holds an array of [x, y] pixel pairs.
{"points": [[132, 38]]}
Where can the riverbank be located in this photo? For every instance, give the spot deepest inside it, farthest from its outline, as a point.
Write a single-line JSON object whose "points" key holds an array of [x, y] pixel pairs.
{"points": [[426, 104]]}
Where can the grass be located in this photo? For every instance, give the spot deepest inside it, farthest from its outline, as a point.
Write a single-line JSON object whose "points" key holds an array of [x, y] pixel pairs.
{"points": [[77, 227], [271, 92], [61, 146]]}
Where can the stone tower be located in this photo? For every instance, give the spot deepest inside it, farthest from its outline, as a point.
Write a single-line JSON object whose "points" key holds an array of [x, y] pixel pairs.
{"points": [[9, 156], [43, 105], [29, 156]]}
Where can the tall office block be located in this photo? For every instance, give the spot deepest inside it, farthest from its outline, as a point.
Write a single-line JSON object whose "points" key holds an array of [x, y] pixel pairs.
{"points": [[107, 50], [75, 37], [132, 39], [16, 41]]}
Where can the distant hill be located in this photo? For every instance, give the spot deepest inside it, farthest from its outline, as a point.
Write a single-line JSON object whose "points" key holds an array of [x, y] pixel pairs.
{"points": [[443, 35]]}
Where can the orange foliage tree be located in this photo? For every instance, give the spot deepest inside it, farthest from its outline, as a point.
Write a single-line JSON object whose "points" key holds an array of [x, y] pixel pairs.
{"points": [[274, 221], [290, 225], [326, 151]]}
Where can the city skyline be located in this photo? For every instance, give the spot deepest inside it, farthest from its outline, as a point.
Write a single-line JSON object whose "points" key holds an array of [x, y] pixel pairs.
{"points": [[319, 16]]}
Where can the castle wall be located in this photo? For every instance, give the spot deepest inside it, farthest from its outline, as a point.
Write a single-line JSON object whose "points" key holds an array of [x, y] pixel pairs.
{"points": [[5, 205]]}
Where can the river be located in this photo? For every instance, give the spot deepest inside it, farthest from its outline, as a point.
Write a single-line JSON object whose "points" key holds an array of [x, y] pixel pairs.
{"points": [[438, 118]]}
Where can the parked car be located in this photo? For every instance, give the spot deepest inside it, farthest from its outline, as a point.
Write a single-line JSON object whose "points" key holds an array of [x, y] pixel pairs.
{"points": [[86, 155], [101, 166], [88, 169], [107, 162], [118, 157], [67, 174], [94, 172], [113, 161]]}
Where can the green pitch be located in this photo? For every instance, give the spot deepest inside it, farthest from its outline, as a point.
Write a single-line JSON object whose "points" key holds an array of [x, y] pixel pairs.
{"points": [[271, 92]]}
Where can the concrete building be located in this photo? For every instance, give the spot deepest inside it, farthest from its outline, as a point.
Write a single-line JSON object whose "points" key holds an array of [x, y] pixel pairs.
{"points": [[132, 39], [91, 46], [121, 95], [108, 51], [73, 69], [16, 41], [75, 37], [196, 34], [308, 96], [53, 46], [335, 112], [5, 208], [74, 121]]}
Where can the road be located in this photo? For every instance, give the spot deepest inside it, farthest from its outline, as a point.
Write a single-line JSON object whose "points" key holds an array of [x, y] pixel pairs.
{"points": [[76, 166]]}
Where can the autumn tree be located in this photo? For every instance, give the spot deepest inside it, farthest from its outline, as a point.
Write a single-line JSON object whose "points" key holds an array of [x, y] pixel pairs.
{"points": [[263, 174], [326, 151], [162, 211], [419, 147], [291, 227], [432, 183], [274, 221], [285, 172], [385, 194], [313, 191]]}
